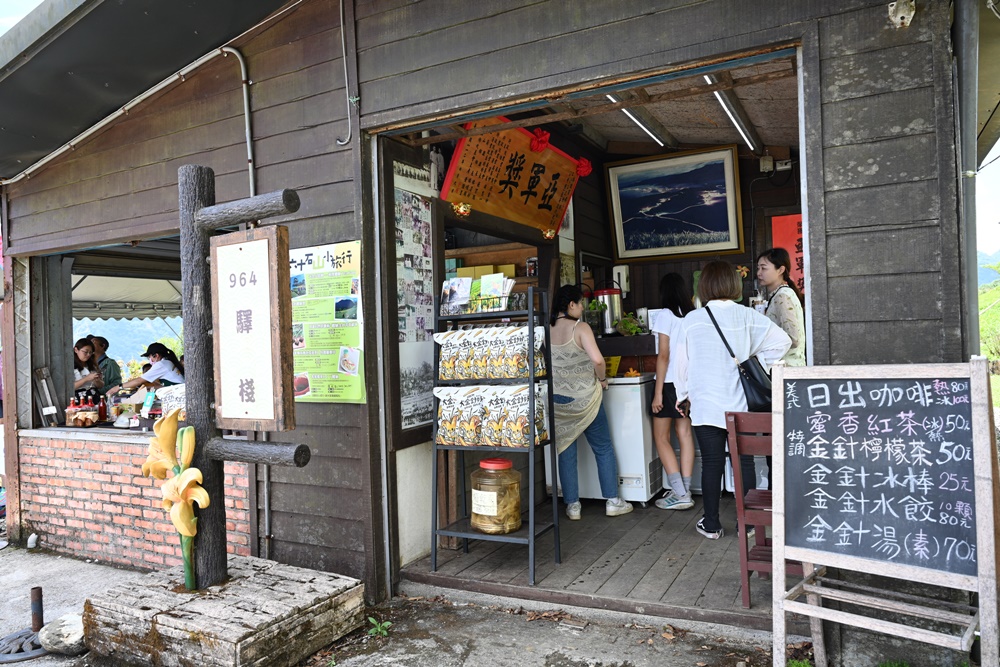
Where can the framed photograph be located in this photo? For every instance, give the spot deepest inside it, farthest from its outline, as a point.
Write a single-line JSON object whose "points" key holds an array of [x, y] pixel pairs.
{"points": [[674, 205]]}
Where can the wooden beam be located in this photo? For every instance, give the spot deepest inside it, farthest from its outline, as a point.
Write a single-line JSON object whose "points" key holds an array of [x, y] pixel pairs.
{"points": [[267, 453], [703, 89], [233, 213]]}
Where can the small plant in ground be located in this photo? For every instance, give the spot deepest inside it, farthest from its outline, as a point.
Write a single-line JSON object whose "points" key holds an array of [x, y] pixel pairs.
{"points": [[379, 628], [332, 662], [798, 663]]}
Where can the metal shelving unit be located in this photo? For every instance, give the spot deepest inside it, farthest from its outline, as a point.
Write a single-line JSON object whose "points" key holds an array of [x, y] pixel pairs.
{"points": [[532, 526]]}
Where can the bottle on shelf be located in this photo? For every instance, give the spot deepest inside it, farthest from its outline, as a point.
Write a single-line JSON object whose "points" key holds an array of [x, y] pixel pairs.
{"points": [[102, 409]]}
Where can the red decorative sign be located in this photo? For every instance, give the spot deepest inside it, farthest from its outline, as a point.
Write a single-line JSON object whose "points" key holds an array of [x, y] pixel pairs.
{"points": [[513, 174], [786, 232]]}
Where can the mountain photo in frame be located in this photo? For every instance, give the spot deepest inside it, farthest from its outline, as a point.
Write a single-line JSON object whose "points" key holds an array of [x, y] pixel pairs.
{"points": [[686, 203]]}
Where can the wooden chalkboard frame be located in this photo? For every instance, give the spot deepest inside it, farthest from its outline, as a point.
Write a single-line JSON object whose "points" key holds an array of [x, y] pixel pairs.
{"points": [[987, 532]]}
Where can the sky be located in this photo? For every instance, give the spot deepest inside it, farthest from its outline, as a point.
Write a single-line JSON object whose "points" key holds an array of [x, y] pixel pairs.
{"points": [[12, 11]]}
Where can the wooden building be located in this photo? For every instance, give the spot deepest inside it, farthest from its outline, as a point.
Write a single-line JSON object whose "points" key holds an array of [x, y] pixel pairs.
{"points": [[864, 111]]}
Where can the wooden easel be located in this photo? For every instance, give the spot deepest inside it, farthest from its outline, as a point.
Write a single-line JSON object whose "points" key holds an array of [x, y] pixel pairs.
{"points": [[817, 588]]}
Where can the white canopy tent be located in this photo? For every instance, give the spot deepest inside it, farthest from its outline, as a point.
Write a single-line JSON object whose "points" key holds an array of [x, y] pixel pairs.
{"points": [[108, 297]]}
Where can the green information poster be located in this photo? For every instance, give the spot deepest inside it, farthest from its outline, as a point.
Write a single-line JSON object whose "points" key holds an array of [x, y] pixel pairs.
{"points": [[327, 323]]}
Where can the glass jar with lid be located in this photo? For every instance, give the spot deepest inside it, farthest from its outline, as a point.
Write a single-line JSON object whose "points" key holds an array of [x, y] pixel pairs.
{"points": [[496, 497]]}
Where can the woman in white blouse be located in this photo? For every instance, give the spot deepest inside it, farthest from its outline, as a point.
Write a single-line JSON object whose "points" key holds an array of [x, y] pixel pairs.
{"points": [[784, 303], [708, 376]]}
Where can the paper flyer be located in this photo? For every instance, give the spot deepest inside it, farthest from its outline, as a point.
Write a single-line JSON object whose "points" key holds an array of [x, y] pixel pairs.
{"points": [[327, 327]]}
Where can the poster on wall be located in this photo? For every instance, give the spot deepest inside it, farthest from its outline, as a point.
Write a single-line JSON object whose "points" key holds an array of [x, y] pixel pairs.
{"points": [[786, 232], [327, 327], [415, 307]]}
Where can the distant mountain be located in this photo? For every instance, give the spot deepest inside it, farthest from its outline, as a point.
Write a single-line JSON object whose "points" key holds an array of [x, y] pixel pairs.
{"points": [[987, 276], [128, 339]]}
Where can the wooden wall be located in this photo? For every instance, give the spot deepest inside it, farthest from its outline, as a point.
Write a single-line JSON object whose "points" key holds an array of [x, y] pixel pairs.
{"points": [[879, 151], [122, 185]]}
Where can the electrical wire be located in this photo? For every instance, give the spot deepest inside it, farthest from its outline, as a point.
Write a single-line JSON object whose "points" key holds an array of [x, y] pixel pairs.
{"points": [[992, 6]]}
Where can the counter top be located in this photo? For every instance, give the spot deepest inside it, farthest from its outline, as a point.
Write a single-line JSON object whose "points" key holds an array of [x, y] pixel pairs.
{"points": [[96, 434]]}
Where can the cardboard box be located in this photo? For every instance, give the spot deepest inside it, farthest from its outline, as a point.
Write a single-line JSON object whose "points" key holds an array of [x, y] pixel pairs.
{"points": [[484, 270], [466, 272], [506, 269]]}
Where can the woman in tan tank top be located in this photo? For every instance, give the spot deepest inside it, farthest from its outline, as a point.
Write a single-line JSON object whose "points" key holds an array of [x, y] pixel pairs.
{"points": [[578, 384]]}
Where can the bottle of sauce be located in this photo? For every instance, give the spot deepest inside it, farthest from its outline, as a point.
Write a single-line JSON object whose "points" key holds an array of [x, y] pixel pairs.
{"points": [[102, 410], [71, 411]]}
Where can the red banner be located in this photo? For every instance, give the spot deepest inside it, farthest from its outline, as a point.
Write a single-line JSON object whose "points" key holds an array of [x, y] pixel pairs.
{"points": [[786, 232], [513, 174]]}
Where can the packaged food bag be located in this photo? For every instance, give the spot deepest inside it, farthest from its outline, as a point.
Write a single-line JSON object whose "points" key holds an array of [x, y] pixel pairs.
{"points": [[448, 342], [447, 414], [496, 367], [494, 410], [470, 416]]}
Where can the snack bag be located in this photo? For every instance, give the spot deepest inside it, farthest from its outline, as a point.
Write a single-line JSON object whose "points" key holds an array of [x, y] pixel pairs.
{"points": [[496, 365], [463, 356], [539, 357], [470, 416], [493, 415], [516, 359], [448, 341], [517, 424], [481, 343], [447, 414]]}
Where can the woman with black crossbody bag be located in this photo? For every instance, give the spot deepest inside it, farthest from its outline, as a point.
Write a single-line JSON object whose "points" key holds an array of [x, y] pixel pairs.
{"points": [[709, 375]]}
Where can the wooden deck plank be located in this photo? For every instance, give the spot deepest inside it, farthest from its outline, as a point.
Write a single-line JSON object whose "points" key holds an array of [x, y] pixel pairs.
{"points": [[642, 559], [668, 565], [718, 593], [461, 561], [690, 583], [606, 532]]}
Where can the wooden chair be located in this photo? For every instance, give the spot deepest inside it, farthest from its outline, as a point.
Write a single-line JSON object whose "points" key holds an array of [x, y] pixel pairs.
{"points": [[750, 435]]}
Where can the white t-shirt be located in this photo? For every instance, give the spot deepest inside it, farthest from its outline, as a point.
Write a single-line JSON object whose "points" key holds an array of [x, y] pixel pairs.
{"points": [[670, 325], [707, 374], [163, 370]]}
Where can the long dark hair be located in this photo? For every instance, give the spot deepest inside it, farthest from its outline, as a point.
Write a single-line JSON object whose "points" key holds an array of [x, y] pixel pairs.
{"points": [[91, 364], [171, 356], [565, 295], [674, 295], [779, 257]]}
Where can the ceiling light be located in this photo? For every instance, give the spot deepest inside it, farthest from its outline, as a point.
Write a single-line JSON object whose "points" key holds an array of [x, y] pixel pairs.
{"points": [[637, 121], [733, 117]]}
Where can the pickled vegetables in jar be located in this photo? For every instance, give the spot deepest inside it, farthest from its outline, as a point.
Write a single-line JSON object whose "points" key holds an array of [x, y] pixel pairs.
{"points": [[496, 497]]}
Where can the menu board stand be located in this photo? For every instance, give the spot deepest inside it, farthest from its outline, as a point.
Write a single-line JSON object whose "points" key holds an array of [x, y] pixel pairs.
{"points": [[911, 481]]}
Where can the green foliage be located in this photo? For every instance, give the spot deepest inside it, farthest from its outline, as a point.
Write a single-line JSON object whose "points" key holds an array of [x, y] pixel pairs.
{"points": [[378, 629], [332, 662], [596, 305], [798, 663]]}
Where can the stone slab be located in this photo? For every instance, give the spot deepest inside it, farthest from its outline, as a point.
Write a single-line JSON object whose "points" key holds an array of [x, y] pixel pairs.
{"points": [[266, 615]]}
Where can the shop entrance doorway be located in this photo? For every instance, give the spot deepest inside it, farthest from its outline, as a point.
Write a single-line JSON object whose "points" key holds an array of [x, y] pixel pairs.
{"points": [[651, 561]]}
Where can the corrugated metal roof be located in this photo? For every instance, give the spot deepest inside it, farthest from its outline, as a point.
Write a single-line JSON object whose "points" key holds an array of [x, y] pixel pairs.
{"points": [[70, 63]]}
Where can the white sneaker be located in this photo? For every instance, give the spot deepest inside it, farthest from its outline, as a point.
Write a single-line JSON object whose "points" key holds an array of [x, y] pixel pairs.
{"points": [[617, 507], [573, 511], [674, 502]]}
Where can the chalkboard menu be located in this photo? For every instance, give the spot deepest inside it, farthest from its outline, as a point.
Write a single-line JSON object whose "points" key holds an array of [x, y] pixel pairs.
{"points": [[881, 469]]}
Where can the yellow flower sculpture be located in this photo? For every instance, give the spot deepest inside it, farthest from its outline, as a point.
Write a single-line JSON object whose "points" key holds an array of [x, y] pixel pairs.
{"points": [[184, 489], [162, 456], [179, 495]]}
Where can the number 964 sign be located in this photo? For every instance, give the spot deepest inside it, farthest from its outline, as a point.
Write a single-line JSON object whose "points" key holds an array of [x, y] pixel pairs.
{"points": [[251, 321]]}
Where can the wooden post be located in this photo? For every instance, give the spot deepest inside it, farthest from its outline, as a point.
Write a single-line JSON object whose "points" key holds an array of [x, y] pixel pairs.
{"points": [[196, 190]]}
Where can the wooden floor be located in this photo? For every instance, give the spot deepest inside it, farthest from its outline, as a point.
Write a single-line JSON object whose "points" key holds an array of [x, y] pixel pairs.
{"points": [[651, 561]]}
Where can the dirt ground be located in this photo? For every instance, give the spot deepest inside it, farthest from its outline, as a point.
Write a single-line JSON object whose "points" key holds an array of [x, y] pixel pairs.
{"points": [[436, 631]]}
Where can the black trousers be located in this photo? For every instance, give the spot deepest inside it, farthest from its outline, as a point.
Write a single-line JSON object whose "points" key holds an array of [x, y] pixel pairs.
{"points": [[712, 442]]}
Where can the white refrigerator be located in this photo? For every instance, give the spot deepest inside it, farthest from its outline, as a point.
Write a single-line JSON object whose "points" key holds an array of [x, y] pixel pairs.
{"points": [[639, 472]]}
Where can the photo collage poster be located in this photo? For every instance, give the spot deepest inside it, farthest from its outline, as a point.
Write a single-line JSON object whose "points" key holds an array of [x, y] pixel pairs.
{"points": [[327, 327], [415, 305]]}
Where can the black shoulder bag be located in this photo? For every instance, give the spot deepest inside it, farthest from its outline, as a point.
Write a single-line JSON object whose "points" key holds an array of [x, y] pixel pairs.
{"points": [[755, 380]]}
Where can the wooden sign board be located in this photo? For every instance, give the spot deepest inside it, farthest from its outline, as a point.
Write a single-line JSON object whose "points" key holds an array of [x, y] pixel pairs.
{"points": [[252, 324], [499, 174], [887, 470]]}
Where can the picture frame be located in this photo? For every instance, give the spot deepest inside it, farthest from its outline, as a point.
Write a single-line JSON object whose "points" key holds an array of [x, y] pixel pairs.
{"points": [[677, 205]]}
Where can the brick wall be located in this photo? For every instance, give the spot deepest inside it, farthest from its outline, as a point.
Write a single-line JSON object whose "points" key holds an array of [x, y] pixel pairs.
{"points": [[87, 497]]}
